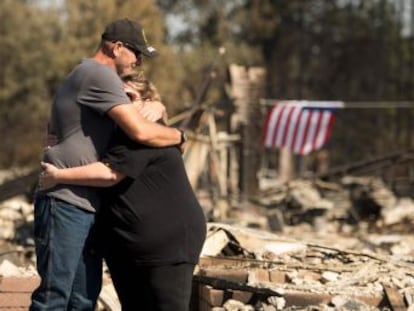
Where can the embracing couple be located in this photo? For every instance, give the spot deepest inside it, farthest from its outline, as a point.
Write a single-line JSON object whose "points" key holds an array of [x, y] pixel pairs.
{"points": [[114, 186]]}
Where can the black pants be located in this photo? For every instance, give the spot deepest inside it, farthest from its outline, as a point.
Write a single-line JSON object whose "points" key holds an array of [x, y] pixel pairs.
{"points": [[151, 288]]}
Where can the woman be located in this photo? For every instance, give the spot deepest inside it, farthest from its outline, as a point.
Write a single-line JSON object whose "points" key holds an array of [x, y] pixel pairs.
{"points": [[152, 226]]}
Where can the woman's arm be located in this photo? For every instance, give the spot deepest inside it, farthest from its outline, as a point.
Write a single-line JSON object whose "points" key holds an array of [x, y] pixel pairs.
{"points": [[95, 175]]}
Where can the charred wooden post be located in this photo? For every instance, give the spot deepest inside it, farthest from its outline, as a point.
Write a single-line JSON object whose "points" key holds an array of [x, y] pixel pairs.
{"points": [[285, 165], [247, 89], [367, 166]]}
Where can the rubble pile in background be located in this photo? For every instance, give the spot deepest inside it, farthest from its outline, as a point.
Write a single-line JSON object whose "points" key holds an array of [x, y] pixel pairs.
{"points": [[265, 271], [362, 200], [305, 245]]}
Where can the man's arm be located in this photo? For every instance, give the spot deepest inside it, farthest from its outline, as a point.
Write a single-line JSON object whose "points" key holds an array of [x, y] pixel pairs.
{"points": [[95, 175], [141, 130]]}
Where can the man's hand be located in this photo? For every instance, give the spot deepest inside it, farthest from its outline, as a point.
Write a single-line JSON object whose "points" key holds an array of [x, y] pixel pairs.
{"points": [[152, 110], [48, 176]]}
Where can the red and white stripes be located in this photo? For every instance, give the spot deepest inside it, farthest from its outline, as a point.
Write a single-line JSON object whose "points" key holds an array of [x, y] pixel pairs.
{"points": [[298, 125]]}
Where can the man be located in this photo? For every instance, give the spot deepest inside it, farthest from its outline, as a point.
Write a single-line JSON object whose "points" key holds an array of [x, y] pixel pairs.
{"points": [[86, 107]]}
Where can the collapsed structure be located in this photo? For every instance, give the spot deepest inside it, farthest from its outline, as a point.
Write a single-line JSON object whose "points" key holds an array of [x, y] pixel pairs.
{"points": [[309, 245]]}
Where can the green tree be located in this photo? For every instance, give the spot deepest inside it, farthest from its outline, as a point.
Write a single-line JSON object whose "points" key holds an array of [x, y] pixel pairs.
{"points": [[199, 30], [26, 39], [41, 43]]}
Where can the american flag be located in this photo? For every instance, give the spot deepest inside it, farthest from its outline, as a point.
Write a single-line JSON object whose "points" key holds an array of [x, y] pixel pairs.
{"points": [[301, 126]]}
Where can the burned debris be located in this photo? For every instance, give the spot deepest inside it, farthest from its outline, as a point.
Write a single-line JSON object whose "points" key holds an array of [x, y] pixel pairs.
{"points": [[307, 245], [271, 272]]}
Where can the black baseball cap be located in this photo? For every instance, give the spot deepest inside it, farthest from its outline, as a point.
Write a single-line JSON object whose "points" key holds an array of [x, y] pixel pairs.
{"points": [[130, 33]]}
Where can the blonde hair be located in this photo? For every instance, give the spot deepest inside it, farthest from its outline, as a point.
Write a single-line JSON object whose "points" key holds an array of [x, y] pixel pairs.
{"points": [[140, 84]]}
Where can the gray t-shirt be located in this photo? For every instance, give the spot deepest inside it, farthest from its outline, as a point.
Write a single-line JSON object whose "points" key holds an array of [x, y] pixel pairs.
{"points": [[81, 125]]}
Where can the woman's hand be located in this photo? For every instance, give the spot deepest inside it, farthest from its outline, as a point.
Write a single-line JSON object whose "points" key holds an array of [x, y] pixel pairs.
{"points": [[48, 176], [152, 110]]}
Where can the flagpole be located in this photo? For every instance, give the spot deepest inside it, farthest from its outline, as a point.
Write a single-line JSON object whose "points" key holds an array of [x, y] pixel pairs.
{"points": [[340, 104]]}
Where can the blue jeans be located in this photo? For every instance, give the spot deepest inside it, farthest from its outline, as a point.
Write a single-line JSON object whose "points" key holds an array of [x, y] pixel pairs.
{"points": [[71, 274]]}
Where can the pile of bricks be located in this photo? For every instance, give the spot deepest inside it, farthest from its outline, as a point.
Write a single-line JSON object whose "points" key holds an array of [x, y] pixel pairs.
{"points": [[15, 292], [263, 289], [247, 269]]}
